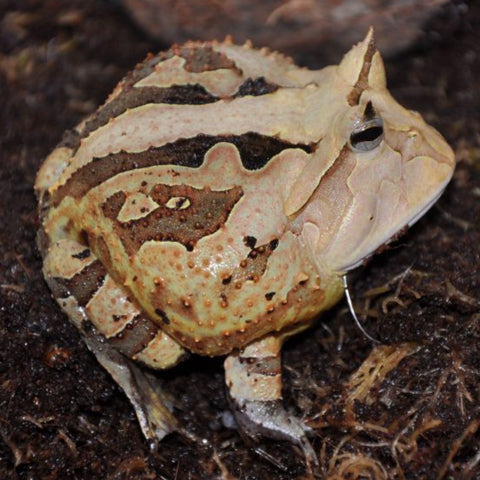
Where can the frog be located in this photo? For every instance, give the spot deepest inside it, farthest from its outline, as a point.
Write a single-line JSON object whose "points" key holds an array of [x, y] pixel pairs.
{"points": [[212, 206]]}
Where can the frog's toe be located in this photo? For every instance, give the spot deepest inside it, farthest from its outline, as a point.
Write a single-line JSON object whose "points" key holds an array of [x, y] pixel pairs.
{"points": [[270, 419]]}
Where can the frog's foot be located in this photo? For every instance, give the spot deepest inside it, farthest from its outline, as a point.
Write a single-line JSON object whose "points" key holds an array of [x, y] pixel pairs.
{"points": [[143, 389], [254, 380], [115, 330]]}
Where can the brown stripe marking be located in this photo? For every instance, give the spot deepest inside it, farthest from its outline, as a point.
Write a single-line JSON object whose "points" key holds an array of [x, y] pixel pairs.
{"points": [[135, 336], [70, 139], [255, 150], [208, 210], [199, 58], [82, 285], [362, 81], [203, 58], [268, 366]]}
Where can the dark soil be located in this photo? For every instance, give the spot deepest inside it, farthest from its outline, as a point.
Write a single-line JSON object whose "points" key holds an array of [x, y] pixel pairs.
{"points": [[406, 409]]}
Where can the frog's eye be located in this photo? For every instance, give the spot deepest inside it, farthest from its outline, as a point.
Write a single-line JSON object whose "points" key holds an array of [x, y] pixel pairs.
{"points": [[368, 134]]}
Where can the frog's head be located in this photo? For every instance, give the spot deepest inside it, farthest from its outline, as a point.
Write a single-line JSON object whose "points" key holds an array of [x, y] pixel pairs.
{"points": [[378, 168]]}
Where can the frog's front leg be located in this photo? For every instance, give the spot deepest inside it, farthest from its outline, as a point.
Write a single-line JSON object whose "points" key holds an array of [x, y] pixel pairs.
{"points": [[115, 330], [254, 380]]}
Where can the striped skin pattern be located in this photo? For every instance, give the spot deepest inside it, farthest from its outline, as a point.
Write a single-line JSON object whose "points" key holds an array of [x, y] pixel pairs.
{"points": [[213, 202]]}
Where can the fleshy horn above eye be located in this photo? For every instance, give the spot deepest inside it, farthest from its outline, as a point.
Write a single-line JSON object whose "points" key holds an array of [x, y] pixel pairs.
{"points": [[368, 133]]}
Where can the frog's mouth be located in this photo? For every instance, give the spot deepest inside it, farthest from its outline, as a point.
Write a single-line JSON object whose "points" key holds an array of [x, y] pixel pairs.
{"points": [[426, 207], [399, 232]]}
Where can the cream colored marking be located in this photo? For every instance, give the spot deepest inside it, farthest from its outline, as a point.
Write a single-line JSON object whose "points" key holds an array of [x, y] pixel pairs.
{"points": [[161, 352], [52, 168], [108, 302], [290, 114], [244, 385], [352, 63], [223, 82], [264, 348], [59, 261], [273, 66], [178, 203], [137, 205], [310, 178]]}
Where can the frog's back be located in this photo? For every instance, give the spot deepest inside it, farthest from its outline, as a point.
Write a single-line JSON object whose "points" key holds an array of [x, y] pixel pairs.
{"points": [[174, 185], [212, 205]]}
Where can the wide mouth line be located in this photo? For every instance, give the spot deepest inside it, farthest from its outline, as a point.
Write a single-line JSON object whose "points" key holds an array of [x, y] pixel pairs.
{"points": [[427, 207], [395, 235]]}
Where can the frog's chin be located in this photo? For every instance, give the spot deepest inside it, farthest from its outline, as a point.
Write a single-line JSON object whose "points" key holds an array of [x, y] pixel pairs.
{"points": [[383, 246]]}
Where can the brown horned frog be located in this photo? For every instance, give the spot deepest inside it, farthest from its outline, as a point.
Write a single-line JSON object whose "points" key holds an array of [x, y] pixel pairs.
{"points": [[212, 205]]}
